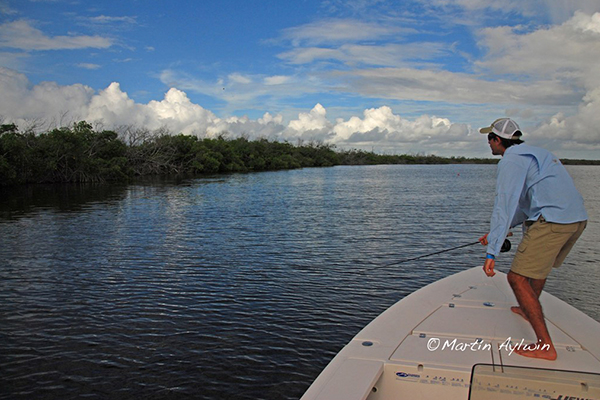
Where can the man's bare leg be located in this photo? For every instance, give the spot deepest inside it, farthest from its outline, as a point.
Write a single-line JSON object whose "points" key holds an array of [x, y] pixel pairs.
{"points": [[529, 304], [537, 285]]}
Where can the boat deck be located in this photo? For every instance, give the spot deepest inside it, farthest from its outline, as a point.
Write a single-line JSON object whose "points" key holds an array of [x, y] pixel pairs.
{"points": [[426, 345]]}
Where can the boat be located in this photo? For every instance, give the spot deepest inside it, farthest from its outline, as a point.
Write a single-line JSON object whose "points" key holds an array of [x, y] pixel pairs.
{"points": [[455, 339]]}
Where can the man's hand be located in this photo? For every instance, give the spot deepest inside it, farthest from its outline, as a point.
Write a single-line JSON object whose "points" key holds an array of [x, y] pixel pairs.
{"points": [[483, 240], [488, 267]]}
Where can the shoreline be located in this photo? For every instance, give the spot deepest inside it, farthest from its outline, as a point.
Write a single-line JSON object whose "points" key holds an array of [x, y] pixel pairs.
{"points": [[81, 154]]}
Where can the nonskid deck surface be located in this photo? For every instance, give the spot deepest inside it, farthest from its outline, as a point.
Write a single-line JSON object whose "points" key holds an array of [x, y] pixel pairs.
{"points": [[427, 344]]}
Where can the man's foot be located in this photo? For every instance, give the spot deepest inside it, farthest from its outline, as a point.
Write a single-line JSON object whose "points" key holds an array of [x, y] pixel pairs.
{"points": [[537, 350], [517, 310]]}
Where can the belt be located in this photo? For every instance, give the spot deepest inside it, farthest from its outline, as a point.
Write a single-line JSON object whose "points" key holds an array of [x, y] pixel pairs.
{"points": [[540, 219]]}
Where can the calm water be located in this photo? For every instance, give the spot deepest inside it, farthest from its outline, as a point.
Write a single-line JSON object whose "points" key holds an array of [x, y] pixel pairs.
{"points": [[234, 287]]}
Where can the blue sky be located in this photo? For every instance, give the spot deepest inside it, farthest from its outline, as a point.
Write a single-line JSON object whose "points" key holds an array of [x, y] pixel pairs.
{"points": [[390, 76]]}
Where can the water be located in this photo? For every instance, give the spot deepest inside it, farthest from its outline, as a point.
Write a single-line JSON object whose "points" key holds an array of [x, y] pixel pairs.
{"points": [[234, 287]]}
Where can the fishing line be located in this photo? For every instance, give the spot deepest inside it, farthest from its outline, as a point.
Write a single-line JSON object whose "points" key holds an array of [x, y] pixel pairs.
{"points": [[505, 247]]}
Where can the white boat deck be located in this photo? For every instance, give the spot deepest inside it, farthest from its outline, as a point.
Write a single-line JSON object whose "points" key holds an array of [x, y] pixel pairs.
{"points": [[425, 346]]}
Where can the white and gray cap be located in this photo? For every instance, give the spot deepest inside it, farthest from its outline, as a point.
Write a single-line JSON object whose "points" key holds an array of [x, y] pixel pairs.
{"points": [[505, 128]]}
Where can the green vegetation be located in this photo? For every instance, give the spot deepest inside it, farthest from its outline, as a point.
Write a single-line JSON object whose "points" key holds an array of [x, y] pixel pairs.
{"points": [[83, 154], [76, 154]]}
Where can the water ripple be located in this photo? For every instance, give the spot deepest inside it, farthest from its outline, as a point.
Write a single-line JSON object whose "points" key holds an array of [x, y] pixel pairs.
{"points": [[237, 287]]}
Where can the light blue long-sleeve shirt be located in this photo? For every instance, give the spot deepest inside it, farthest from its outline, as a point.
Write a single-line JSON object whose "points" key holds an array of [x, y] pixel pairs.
{"points": [[532, 182]]}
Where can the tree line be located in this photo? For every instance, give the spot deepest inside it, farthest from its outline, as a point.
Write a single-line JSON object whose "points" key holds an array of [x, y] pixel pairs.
{"points": [[80, 153], [83, 154]]}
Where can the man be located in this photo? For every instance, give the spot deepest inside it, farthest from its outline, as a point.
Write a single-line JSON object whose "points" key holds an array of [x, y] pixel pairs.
{"points": [[532, 188]]}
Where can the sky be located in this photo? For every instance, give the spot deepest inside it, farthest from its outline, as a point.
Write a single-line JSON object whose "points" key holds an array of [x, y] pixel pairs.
{"points": [[394, 77]]}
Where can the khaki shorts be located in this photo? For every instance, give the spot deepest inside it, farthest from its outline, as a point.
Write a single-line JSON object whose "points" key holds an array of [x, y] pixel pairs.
{"points": [[545, 245]]}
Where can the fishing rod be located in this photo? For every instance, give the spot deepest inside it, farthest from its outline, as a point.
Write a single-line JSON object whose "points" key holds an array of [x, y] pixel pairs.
{"points": [[505, 247]]}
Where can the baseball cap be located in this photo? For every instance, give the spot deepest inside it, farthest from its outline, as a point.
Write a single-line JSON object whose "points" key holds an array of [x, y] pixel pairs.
{"points": [[505, 128]]}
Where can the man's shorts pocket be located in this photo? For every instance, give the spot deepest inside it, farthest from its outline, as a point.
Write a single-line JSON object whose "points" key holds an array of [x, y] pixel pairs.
{"points": [[564, 228]]}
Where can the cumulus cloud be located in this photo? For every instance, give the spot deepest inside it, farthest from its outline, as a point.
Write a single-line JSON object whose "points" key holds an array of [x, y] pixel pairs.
{"points": [[312, 125], [45, 101], [177, 113], [22, 35], [382, 126], [114, 107], [579, 130], [566, 56], [56, 104], [268, 126], [377, 128]]}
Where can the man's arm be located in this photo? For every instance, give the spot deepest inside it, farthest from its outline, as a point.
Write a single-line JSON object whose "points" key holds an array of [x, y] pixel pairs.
{"points": [[511, 180]]}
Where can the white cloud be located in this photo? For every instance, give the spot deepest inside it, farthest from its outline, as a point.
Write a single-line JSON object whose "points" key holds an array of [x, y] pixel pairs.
{"points": [[380, 120], [89, 66], [451, 87], [382, 126], [392, 54], [13, 60], [378, 128], [113, 107], [305, 55], [313, 125], [239, 79], [46, 101], [381, 42], [56, 105], [107, 23], [105, 19], [61, 105], [268, 126], [485, 12], [569, 52], [5, 8], [536, 72], [21, 35], [339, 31], [580, 130], [176, 112], [552, 66], [179, 114], [276, 80], [586, 23], [241, 91]]}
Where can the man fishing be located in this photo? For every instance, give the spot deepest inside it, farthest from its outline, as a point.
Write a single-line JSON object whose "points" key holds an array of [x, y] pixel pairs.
{"points": [[533, 188]]}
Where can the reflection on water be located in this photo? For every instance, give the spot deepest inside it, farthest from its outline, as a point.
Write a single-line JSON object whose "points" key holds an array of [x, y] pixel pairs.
{"points": [[18, 201], [241, 286]]}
